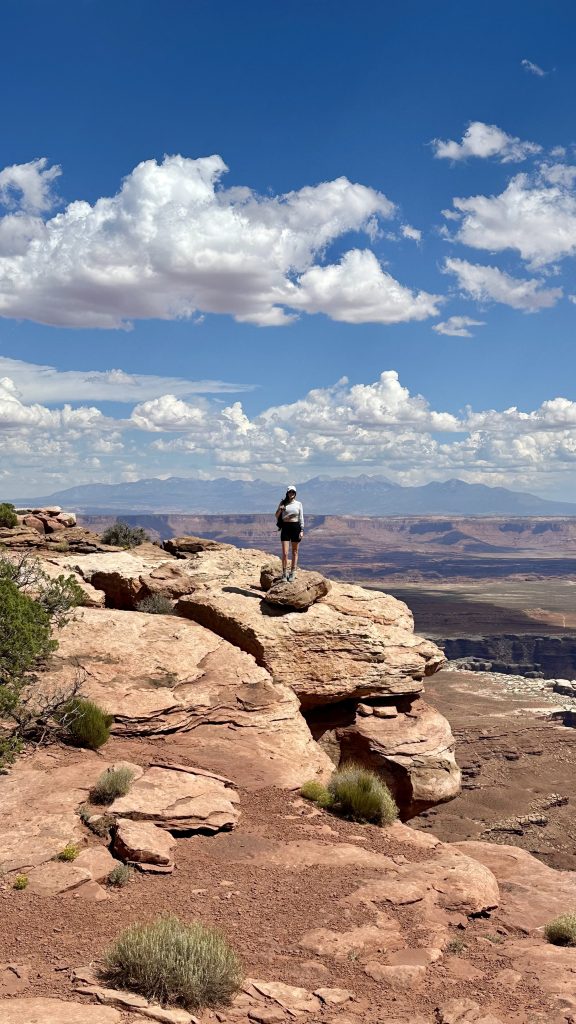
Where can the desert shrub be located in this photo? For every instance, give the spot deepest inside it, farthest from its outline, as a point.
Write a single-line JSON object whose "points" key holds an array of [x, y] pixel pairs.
{"points": [[70, 852], [360, 794], [58, 597], [112, 783], [85, 724], [20, 882], [25, 635], [8, 517], [156, 604], [120, 876], [562, 930], [121, 535], [172, 961], [317, 793], [10, 747], [455, 946]]}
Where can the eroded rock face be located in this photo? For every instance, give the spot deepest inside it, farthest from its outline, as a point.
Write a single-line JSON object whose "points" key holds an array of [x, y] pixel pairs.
{"points": [[326, 655], [159, 674], [349, 644], [412, 750]]}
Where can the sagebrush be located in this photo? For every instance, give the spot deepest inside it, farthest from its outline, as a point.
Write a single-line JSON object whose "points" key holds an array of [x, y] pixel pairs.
{"points": [[172, 961], [114, 782], [70, 852], [122, 535], [562, 930], [120, 876], [156, 604]]}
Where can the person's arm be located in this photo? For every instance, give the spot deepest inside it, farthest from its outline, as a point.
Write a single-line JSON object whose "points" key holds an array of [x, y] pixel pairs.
{"points": [[279, 509], [301, 518]]}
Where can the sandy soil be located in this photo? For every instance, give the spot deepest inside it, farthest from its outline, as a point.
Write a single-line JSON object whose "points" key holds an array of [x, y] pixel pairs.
{"points": [[263, 909]]}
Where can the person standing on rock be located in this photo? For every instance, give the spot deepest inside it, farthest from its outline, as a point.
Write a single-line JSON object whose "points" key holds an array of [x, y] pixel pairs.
{"points": [[290, 518]]}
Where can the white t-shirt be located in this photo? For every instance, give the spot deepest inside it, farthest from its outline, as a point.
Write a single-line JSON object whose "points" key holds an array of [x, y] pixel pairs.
{"points": [[293, 512]]}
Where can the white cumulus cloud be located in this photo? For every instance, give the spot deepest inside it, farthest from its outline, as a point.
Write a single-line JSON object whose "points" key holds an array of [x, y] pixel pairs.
{"points": [[29, 187], [484, 141], [458, 326], [538, 221], [175, 243], [490, 283], [357, 290]]}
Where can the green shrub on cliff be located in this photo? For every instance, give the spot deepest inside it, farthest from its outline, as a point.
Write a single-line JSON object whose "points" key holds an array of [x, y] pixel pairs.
{"points": [[156, 604], [562, 930], [121, 535], [25, 634], [8, 517]]}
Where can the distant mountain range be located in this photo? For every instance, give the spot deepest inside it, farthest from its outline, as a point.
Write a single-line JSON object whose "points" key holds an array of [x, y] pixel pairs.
{"points": [[323, 495]]}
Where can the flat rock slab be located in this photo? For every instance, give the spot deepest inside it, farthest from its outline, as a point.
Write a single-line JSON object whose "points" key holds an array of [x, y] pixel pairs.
{"points": [[56, 877], [38, 808], [179, 801], [55, 1011], [532, 892], [143, 843], [98, 861]]}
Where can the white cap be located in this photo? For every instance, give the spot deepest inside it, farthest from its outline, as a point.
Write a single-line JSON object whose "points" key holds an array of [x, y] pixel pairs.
{"points": [[290, 487]]}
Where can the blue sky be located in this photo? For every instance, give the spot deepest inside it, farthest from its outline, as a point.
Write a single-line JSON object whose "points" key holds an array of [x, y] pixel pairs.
{"points": [[321, 254]]}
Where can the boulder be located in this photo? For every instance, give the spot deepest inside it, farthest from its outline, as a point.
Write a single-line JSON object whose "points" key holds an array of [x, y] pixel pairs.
{"points": [[68, 518], [178, 800], [33, 523], [20, 537], [143, 843], [182, 547], [159, 675], [52, 525], [413, 751], [305, 590]]}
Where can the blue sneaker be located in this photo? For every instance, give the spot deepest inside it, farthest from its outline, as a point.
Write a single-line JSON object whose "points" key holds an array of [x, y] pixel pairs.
{"points": [[291, 577]]}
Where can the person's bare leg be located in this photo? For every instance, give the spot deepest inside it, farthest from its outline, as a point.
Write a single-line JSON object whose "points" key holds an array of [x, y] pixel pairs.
{"points": [[285, 544], [294, 557]]}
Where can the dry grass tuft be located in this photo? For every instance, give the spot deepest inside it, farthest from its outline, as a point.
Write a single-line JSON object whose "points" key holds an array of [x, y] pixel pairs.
{"points": [[361, 795], [112, 783]]}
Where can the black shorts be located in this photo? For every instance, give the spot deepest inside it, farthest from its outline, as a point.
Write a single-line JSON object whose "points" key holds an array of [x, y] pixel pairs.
{"points": [[291, 531]]}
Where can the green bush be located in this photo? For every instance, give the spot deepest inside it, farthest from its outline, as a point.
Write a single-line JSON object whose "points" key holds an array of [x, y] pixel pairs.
{"points": [[10, 745], [562, 930], [174, 962], [156, 604], [25, 636], [58, 597], [317, 793], [70, 852], [360, 794], [8, 517], [121, 535], [112, 783], [20, 882], [120, 876], [85, 724]]}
